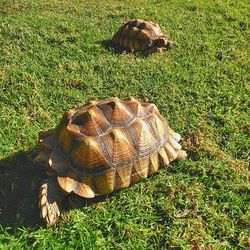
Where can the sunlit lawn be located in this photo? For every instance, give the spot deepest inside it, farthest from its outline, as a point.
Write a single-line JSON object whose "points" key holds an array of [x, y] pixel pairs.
{"points": [[53, 57]]}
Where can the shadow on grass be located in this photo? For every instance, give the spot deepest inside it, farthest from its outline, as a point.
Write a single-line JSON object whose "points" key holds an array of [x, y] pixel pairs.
{"points": [[107, 45], [20, 180]]}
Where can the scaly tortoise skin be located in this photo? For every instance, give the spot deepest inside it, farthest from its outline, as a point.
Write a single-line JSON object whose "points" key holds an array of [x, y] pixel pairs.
{"points": [[141, 35], [101, 147]]}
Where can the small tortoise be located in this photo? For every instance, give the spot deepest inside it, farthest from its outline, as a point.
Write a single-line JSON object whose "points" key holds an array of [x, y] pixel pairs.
{"points": [[141, 35], [101, 147]]}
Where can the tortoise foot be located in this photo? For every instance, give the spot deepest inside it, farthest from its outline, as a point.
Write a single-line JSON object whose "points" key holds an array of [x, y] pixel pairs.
{"points": [[151, 50], [49, 197]]}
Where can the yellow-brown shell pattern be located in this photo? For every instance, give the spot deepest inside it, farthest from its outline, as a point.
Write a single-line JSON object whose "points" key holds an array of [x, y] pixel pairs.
{"points": [[137, 35], [108, 145]]}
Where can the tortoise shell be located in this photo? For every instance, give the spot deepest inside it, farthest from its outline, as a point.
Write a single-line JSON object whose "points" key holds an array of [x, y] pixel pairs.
{"points": [[141, 35], [108, 145]]}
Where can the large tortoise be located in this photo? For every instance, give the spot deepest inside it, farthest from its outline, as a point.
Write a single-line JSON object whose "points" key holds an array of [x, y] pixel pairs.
{"points": [[141, 35], [101, 147]]}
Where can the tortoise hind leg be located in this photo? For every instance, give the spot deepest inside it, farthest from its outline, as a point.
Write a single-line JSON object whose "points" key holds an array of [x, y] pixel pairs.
{"points": [[50, 197]]}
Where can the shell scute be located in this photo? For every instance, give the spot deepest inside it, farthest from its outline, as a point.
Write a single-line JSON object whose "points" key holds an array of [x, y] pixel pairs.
{"points": [[142, 25], [119, 147], [172, 155], [123, 177], [158, 126], [138, 109], [88, 154], [143, 35], [140, 170], [92, 122], [68, 182], [84, 187], [125, 43], [153, 163], [116, 112], [163, 157], [142, 137], [132, 32], [104, 184]]}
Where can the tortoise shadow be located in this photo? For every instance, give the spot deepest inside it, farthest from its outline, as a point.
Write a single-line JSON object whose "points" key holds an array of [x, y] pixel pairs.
{"points": [[20, 180], [108, 46]]}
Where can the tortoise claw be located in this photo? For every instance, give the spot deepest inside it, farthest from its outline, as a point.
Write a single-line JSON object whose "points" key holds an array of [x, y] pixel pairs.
{"points": [[181, 155]]}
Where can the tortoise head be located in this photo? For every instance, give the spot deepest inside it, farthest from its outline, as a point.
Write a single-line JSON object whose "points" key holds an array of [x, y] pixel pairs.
{"points": [[164, 42]]}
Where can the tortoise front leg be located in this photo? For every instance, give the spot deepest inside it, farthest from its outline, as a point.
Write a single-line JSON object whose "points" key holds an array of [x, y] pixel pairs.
{"points": [[152, 50], [50, 198]]}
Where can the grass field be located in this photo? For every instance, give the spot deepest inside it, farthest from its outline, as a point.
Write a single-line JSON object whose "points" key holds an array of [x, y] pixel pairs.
{"points": [[53, 57]]}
